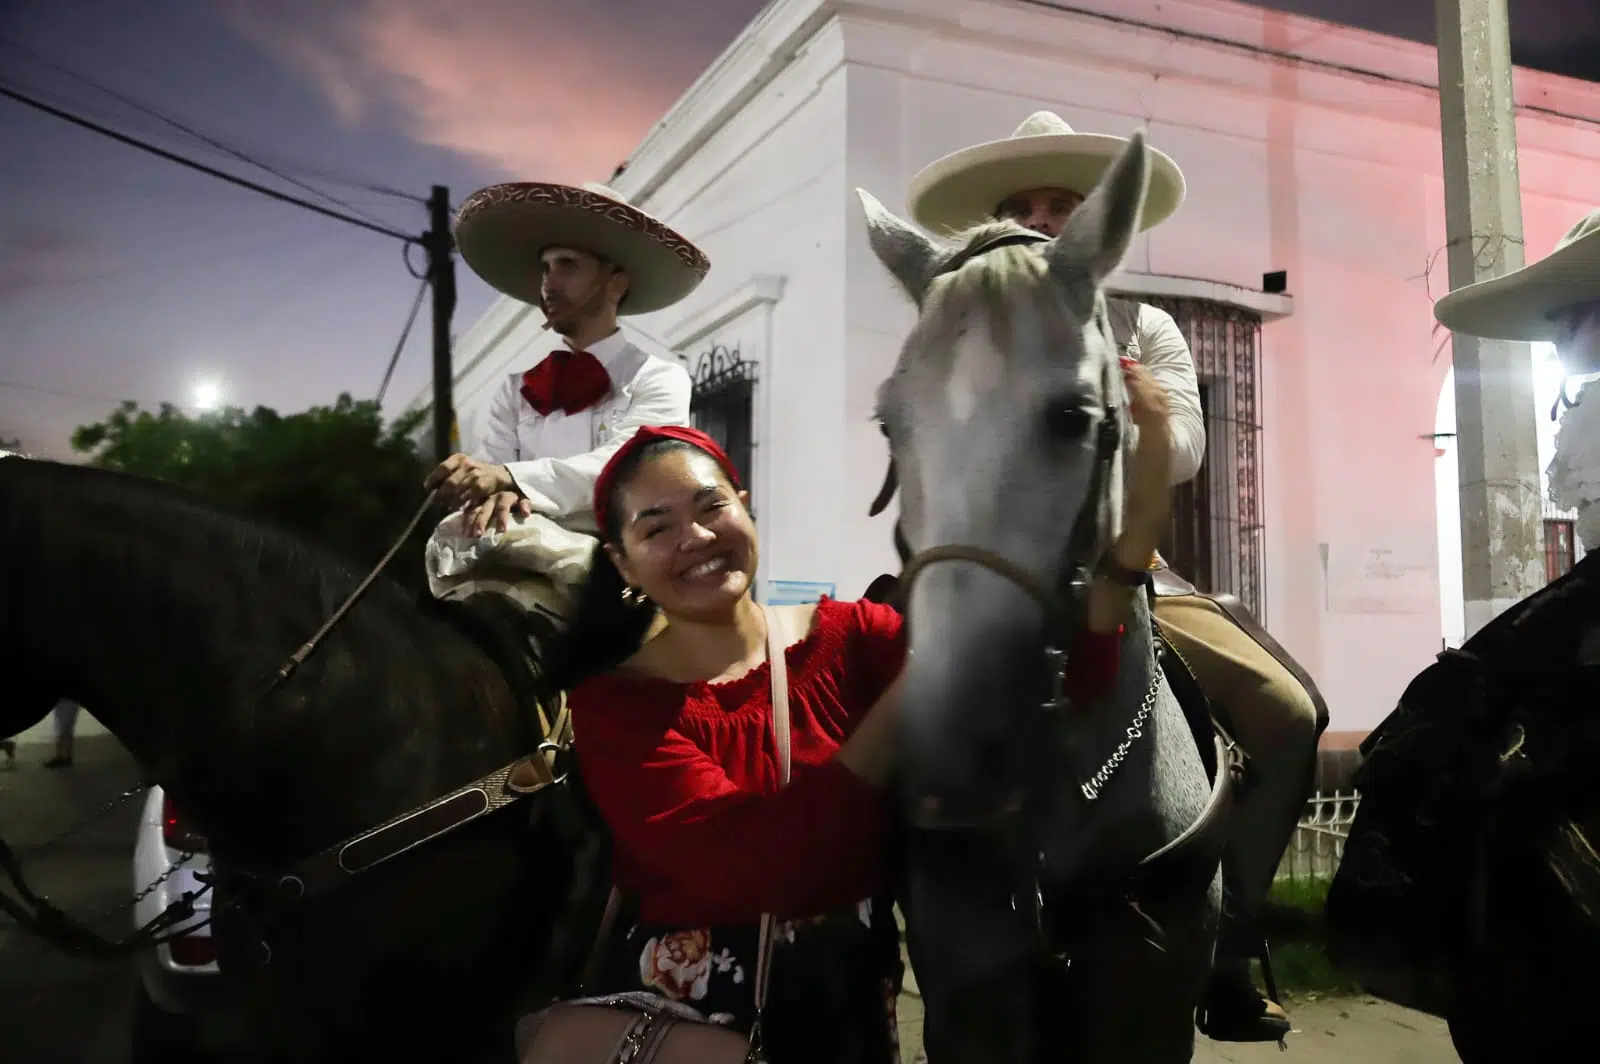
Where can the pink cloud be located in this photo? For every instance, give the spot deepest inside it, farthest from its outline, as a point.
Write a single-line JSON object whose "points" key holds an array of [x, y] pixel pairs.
{"points": [[553, 89], [42, 257]]}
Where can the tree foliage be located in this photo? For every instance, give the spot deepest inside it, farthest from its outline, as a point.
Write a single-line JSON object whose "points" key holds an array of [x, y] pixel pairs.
{"points": [[334, 474]]}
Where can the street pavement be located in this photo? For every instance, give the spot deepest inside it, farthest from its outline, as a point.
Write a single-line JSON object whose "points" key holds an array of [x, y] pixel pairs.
{"points": [[55, 1009]]}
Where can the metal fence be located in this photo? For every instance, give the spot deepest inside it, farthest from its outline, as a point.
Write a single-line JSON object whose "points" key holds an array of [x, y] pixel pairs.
{"points": [[1318, 842]]}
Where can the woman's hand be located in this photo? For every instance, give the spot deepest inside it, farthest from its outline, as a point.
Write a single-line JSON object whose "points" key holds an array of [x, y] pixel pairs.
{"points": [[1149, 492], [1148, 497], [1147, 402]]}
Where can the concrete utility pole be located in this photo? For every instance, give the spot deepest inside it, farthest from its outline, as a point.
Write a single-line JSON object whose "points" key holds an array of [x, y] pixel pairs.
{"points": [[1502, 549]]}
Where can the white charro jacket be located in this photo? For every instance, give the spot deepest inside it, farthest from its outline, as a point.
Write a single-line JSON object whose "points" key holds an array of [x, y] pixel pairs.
{"points": [[555, 460]]}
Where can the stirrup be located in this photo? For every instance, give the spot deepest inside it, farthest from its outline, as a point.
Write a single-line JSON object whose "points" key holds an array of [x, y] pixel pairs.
{"points": [[1238, 1013]]}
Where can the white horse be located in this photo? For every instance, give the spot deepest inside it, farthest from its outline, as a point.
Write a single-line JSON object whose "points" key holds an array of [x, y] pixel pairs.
{"points": [[1043, 922]]}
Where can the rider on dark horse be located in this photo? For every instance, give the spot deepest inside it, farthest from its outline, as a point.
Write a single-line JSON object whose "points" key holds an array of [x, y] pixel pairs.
{"points": [[1557, 301], [1037, 177], [1469, 885], [583, 256]]}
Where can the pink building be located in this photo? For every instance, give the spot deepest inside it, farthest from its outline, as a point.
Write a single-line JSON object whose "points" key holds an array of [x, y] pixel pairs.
{"points": [[1310, 150]]}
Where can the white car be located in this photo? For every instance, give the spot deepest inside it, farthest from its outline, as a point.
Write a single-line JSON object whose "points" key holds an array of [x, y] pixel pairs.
{"points": [[179, 984]]}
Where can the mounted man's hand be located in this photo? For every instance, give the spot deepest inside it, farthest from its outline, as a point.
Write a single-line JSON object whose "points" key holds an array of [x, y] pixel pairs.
{"points": [[494, 512], [464, 482]]}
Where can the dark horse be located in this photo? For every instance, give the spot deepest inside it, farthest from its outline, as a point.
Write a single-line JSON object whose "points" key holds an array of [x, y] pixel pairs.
{"points": [[171, 619], [1470, 883]]}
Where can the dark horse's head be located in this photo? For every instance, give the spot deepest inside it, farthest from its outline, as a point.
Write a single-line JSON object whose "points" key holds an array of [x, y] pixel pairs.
{"points": [[169, 619]]}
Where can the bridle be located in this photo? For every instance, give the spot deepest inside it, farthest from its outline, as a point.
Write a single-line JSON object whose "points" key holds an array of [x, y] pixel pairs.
{"points": [[328, 869], [1063, 601], [1197, 850]]}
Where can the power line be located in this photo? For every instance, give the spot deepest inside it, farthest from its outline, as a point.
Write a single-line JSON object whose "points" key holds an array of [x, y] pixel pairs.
{"points": [[272, 193], [405, 334], [185, 128]]}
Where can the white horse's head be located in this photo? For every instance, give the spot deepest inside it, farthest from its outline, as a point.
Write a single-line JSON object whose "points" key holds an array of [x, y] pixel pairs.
{"points": [[1005, 422]]}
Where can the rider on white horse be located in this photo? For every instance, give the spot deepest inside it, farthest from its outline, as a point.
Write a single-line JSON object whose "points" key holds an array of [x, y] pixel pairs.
{"points": [[1037, 177]]}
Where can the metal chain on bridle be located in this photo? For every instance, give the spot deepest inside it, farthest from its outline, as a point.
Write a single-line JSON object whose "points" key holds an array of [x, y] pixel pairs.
{"points": [[35, 913]]}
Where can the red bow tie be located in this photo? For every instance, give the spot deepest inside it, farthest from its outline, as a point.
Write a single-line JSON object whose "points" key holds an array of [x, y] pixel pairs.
{"points": [[569, 381]]}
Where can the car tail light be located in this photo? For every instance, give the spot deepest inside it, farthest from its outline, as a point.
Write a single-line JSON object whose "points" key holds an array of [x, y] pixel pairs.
{"points": [[193, 951], [177, 833]]}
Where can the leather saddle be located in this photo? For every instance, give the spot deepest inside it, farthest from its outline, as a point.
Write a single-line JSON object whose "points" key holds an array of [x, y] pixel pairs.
{"points": [[1164, 583]]}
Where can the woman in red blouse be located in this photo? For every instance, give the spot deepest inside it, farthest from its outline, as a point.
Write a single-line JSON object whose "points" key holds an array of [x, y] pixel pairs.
{"points": [[675, 747]]}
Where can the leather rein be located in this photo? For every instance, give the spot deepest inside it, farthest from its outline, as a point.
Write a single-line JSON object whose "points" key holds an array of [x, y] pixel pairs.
{"points": [[328, 869]]}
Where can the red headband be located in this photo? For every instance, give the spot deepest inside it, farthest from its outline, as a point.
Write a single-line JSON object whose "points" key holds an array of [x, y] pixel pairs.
{"points": [[649, 434]]}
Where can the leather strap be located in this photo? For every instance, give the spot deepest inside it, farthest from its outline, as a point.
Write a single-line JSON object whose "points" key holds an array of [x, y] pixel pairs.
{"points": [[778, 669]]}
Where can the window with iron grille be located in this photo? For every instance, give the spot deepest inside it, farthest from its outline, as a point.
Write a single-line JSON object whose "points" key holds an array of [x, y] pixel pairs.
{"points": [[1558, 550], [722, 405], [1214, 539]]}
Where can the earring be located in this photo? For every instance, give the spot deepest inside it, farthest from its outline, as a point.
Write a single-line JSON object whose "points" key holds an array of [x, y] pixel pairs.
{"points": [[633, 597]]}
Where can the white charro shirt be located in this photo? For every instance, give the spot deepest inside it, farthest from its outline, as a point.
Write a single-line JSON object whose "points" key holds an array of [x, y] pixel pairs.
{"points": [[556, 459], [1158, 343], [1575, 470]]}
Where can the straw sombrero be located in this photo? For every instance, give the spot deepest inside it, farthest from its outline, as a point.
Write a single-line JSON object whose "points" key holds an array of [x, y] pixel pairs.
{"points": [[501, 231], [964, 188], [1517, 305]]}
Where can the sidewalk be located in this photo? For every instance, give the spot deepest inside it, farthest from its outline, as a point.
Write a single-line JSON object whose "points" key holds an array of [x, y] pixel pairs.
{"points": [[1326, 1031]]}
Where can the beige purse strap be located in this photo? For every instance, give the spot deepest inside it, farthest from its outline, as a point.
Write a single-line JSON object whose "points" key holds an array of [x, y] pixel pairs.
{"points": [[778, 667]]}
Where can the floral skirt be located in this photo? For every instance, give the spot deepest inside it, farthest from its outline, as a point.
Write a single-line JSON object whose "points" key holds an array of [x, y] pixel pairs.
{"points": [[833, 987]]}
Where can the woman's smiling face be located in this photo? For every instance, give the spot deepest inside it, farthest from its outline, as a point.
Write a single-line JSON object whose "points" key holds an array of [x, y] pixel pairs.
{"points": [[686, 537]]}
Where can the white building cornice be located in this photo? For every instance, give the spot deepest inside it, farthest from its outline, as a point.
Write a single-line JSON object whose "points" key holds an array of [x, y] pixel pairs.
{"points": [[1270, 306], [1174, 39], [759, 290]]}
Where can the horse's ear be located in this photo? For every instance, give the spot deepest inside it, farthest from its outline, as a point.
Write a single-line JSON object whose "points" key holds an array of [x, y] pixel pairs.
{"points": [[1097, 236], [908, 253]]}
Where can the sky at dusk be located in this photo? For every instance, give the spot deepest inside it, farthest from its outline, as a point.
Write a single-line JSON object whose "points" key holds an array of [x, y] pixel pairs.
{"points": [[125, 276]]}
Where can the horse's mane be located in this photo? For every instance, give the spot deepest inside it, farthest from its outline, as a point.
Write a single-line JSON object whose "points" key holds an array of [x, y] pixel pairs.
{"points": [[80, 493], [180, 529]]}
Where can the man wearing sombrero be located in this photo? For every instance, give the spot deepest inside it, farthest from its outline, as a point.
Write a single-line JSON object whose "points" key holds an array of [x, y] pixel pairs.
{"points": [[1555, 300], [524, 496], [1037, 177], [584, 256]]}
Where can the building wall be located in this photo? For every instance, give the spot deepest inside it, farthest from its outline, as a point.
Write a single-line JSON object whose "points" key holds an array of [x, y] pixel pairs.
{"points": [[1294, 164], [762, 197], [1332, 177]]}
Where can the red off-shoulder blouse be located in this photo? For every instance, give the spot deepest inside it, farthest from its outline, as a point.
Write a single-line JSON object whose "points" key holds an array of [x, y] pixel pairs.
{"points": [[686, 775]]}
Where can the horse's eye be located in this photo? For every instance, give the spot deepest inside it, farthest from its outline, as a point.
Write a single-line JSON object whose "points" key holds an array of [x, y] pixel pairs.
{"points": [[1067, 421]]}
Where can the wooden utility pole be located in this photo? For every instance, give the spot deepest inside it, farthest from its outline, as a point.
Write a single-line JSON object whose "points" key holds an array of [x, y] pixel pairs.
{"points": [[1502, 550], [440, 246]]}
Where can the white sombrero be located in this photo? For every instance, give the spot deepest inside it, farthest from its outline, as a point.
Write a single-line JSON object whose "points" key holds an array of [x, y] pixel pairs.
{"points": [[1517, 305], [964, 188], [501, 231]]}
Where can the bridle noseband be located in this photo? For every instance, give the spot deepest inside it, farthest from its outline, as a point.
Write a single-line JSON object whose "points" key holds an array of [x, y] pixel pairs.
{"points": [[1062, 601]]}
